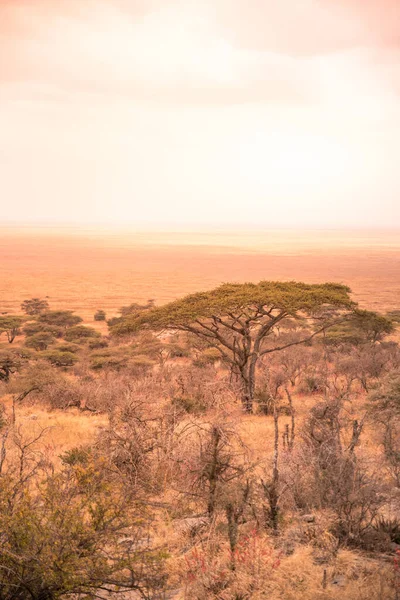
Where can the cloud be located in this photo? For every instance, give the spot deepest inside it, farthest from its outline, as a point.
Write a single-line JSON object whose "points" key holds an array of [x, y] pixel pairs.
{"points": [[170, 53]]}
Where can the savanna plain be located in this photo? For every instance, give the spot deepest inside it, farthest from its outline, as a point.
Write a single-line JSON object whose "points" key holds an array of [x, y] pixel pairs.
{"points": [[199, 415]]}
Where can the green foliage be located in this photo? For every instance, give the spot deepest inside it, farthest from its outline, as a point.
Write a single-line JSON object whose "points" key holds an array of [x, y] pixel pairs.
{"points": [[291, 298], [131, 310], [59, 358], [10, 325], [209, 356], [110, 358], [120, 357], [40, 341], [394, 316], [77, 456], [34, 306], [136, 308], [100, 315], [72, 534], [34, 327], [68, 347], [35, 376], [78, 333], [247, 321], [60, 318], [10, 363], [363, 327], [98, 343]]}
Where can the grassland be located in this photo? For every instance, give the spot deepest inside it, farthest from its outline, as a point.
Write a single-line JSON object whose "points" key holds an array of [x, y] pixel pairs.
{"points": [[86, 270], [89, 270]]}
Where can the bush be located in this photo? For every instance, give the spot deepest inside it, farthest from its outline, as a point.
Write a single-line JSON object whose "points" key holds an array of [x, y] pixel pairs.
{"points": [[209, 356], [190, 405], [98, 343], [60, 318], [391, 527], [100, 315], [34, 327], [59, 358], [10, 363], [66, 347], [110, 358], [34, 306], [216, 572], [79, 333], [40, 341], [73, 533]]}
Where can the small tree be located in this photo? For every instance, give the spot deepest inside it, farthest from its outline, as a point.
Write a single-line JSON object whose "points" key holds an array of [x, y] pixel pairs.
{"points": [[40, 341], [10, 325], [364, 327], [34, 327], [34, 306], [59, 358], [385, 401], [248, 321], [78, 333], [60, 318], [10, 363]]}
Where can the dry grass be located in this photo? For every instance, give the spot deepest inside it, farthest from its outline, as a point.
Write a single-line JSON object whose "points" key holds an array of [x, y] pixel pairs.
{"points": [[63, 429]]}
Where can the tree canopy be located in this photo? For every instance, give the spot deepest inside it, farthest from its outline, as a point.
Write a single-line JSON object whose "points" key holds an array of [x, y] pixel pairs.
{"points": [[60, 318], [10, 325], [34, 306]]}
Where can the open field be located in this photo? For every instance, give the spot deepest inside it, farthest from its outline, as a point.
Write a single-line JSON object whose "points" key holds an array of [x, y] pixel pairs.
{"points": [[89, 269]]}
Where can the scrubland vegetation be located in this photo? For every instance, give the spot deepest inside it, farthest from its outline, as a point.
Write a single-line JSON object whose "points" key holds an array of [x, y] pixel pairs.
{"points": [[237, 444]]}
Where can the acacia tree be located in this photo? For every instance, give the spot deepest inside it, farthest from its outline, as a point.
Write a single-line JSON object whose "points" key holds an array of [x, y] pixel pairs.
{"points": [[10, 363], [248, 321], [34, 306], [10, 325], [59, 318]]}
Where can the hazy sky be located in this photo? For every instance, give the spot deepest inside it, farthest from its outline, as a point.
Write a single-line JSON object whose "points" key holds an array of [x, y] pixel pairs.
{"points": [[266, 112]]}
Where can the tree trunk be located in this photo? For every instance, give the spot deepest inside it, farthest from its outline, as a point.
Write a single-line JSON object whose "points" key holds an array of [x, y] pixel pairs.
{"points": [[271, 489], [247, 376], [213, 472], [293, 420]]}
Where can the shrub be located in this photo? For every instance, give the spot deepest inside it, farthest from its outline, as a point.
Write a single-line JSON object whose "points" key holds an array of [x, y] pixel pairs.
{"points": [[190, 405], [79, 333], [60, 318], [391, 527], [68, 347], [34, 306], [59, 358], [216, 572], [72, 534], [100, 315], [209, 356], [40, 341], [35, 327], [98, 343], [11, 326], [110, 358]]}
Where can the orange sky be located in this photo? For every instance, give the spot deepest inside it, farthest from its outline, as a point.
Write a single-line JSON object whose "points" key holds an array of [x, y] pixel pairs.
{"points": [[202, 112]]}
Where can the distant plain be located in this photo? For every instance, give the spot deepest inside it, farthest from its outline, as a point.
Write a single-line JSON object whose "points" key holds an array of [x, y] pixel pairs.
{"points": [[85, 269]]}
